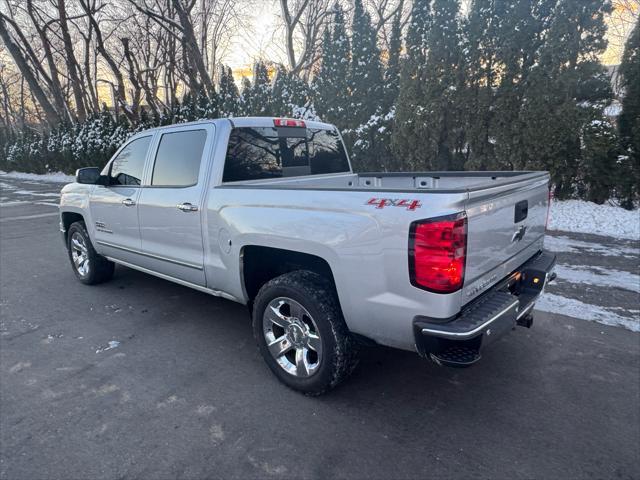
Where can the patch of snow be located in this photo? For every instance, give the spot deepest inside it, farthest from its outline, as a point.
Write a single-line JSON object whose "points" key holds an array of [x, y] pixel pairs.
{"points": [[571, 307], [598, 276], [36, 194], [588, 217], [613, 110], [112, 344], [562, 243], [55, 177]]}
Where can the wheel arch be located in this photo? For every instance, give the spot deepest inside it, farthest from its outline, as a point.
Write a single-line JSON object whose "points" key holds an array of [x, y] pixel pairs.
{"points": [[259, 264], [67, 218]]}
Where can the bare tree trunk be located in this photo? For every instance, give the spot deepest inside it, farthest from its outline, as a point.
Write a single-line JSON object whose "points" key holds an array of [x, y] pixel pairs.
{"points": [[72, 63], [133, 75], [52, 116], [204, 30], [6, 105], [120, 93], [307, 18], [91, 93], [191, 44], [54, 84]]}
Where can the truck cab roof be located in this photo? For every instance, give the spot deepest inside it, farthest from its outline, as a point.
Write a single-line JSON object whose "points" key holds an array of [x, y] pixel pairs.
{"points": [[238, 122]]}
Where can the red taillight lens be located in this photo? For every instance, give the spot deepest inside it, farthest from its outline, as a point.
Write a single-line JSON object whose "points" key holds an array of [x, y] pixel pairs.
{"points": [[288, 122], [437, 253]]}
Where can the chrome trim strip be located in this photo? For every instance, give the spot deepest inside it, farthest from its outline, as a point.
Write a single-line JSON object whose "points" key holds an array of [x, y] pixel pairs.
{"points": [[528, 309], [217, 293], [150, 255], [470, 333]]}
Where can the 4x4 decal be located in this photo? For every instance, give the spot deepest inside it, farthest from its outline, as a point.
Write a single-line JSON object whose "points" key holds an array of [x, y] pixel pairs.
{"points": [[394, 202]]}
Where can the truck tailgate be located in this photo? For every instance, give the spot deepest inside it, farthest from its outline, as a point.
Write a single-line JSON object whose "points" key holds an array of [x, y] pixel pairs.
{"points": [[505, 228]]}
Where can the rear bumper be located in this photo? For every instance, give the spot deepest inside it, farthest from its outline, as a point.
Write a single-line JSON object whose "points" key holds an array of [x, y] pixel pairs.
{"points": [[507, 304]]}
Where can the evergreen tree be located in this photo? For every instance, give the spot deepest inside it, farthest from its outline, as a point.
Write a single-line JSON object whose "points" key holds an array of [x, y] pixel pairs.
{"points": [[553, 113], [229, 96], [290, 94], [365, 74], [629, 122], [260, 99], [330, 85], [520, 27], [392, 73], [206, 106], [596, 177], [246, 99], [408, 141], [480, 53], [443, 81], [371, 151]]}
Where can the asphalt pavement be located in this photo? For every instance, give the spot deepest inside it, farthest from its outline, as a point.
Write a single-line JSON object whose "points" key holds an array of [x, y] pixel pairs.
{"points": [[142, 378]]}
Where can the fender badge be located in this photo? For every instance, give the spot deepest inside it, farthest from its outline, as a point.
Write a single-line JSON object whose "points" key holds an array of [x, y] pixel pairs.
{"points": [[380, 203]]}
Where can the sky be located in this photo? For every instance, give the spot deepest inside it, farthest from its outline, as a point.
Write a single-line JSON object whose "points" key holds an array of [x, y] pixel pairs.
{"points": [[260, 41]]}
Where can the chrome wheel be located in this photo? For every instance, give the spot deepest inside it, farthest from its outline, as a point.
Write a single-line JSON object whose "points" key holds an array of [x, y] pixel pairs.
{"points": [[80, 254], [292, 336]]}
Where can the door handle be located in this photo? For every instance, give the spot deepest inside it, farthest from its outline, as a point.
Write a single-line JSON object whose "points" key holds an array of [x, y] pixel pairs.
{"points": [[188, 207], [127, 202]]}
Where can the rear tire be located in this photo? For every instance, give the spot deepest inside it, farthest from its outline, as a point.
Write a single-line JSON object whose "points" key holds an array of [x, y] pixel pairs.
{"points": [[301, 334], [89, 267]]}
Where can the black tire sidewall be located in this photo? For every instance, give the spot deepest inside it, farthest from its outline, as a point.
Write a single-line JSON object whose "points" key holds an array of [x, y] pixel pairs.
{"points": [[325, 315], [93, 256]]}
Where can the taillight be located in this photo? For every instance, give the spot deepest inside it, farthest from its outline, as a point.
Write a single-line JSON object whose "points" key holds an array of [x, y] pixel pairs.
{"points": [[288, 122], [437, 253]]}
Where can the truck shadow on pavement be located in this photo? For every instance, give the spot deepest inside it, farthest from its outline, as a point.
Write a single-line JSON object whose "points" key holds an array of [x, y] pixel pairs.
{"points": [[515, 371]]}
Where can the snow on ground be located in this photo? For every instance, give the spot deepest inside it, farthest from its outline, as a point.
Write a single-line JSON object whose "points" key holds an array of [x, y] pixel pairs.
{"points": [[571, 307], [562, 243], [56, 177], [587, 217], [112, 344], [35, 194], [598, 276]]}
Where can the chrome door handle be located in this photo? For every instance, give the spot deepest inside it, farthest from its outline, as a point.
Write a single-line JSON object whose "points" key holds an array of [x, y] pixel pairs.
{"points": [[188, 207], [127, 202]]}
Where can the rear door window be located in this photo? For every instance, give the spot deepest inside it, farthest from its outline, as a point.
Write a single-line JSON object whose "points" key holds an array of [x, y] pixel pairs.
{"points": [[269, 152], [178, 159]]}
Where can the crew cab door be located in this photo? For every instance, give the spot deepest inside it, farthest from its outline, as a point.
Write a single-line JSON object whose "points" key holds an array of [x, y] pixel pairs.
{"points": [[113, 207], [170, 206]]}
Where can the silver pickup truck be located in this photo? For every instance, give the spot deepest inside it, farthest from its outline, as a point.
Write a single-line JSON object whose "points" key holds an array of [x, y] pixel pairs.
{"points": [[267, 212]]}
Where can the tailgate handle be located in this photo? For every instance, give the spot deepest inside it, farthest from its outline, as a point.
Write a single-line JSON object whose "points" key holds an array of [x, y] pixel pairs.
{"points": [[522, 209]]}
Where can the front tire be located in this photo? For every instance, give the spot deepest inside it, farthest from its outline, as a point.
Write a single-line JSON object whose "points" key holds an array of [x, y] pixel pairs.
{"points": [[301, 334], [89, 267]]}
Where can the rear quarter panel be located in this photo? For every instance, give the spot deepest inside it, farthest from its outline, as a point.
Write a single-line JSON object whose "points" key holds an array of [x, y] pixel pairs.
{"points": [[366, 248]]}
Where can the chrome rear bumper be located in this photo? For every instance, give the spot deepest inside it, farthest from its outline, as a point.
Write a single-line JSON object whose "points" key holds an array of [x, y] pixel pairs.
{"points": [[507, 304]]}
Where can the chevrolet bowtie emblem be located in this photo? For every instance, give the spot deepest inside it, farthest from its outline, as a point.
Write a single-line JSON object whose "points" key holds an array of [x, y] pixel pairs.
{"points": [[519, 233]]}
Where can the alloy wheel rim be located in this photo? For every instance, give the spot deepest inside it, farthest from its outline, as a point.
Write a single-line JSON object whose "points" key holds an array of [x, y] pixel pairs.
{"points": [[292, 337], [80, 254]]}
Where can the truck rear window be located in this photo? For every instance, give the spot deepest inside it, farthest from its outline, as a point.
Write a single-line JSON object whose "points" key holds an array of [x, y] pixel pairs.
{"points": [[269, 152]]}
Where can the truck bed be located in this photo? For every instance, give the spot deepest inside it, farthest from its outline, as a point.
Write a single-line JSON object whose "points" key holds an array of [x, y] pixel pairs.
{"points": [[432, 182]]}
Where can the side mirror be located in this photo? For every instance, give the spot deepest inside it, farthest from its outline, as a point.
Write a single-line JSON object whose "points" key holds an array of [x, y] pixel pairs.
{"points": [[90, 175]]}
